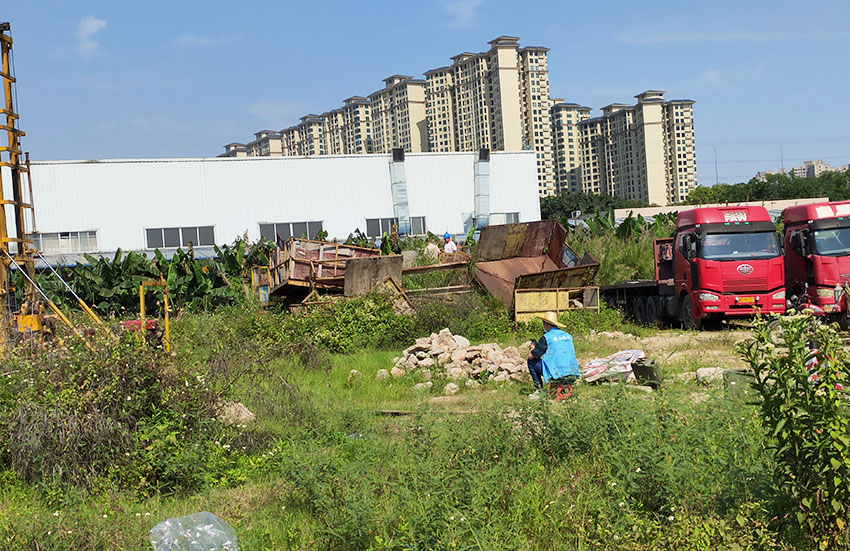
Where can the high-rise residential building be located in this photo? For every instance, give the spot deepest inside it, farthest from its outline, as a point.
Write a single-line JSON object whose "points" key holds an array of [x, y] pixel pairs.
{"points": [[398, 115], [566, 143], [498, 99], [643, 152]]}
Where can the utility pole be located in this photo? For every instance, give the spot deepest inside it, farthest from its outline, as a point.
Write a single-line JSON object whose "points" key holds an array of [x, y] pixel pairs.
{"points": [[781, 159], [716, 177]]}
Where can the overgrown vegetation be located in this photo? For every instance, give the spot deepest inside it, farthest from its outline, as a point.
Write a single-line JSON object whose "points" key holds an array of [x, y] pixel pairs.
{"points": [[803, 407], [624, 251], [835, 185], [565, 203]]}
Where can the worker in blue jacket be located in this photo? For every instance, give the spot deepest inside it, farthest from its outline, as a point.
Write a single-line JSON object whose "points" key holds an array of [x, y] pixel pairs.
{"points": [[553, 358]]}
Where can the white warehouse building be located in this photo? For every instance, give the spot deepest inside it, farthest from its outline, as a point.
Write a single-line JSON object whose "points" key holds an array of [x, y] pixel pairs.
{"points": [[144, 204]]}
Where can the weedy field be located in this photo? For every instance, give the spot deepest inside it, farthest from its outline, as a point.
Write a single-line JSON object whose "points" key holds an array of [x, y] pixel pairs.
{"points": [[97, 449]]}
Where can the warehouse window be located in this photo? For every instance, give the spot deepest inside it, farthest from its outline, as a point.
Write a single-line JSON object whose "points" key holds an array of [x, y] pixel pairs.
{"points": [[171, 238], [65, 242], [417, 225], [376, 227], [497, 218], [290, 229]]}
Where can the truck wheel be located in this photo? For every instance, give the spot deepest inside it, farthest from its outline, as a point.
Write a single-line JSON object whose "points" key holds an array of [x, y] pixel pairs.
{"points": [[686, 315], [652, 311], [639, 310]]}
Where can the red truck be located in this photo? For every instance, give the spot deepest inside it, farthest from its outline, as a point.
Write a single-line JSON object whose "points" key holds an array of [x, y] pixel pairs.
{"points": [[721, 262], [817, 258]]}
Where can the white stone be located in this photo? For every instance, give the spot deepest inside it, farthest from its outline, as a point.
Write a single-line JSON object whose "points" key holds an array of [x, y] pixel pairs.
{"points": [[471, 383], [456, 373], [500, 377], [520, 376], [427, 374], [235, 413], [427, 362], [462, 342], [354, 375], [382, 375], [421, 387], [444, 357], [450, 389], [397, 373], [459, 355], [707, 375]]}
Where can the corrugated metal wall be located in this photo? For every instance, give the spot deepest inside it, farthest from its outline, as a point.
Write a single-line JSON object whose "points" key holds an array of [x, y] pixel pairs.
{"points": [[120, 198]]}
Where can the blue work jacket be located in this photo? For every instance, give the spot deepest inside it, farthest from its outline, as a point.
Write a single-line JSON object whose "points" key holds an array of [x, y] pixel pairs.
{"points": [[560, 358]]}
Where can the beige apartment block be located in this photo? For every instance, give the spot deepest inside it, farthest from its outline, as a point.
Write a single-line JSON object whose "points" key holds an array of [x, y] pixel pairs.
{"points": [[357, 125], [498, 99], [565, 143], [440, 109], [811, 169], [333, 126], [643, 152], [234, 149], [398, 115], [267, 143]]}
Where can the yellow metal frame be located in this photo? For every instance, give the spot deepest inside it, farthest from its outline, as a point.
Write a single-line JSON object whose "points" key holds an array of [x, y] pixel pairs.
{"points": [[256, 287], [142, 321], [528, 303]]}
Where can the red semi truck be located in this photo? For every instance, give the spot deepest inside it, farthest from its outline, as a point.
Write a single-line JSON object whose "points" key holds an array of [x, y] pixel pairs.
{"points": [[721, 262], [817, 258]]}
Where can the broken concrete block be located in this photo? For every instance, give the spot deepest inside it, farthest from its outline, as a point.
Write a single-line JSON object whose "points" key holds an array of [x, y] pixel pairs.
{"points": [[450, 389], [708, 375], [397, 373], [382, 375]]}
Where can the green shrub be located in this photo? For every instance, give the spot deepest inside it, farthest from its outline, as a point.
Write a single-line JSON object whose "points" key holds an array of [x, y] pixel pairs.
{"points": [[804, 412]]}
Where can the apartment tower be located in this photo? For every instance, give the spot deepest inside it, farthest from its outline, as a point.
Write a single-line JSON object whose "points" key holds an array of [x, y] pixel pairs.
{"points": [[643, 152]]}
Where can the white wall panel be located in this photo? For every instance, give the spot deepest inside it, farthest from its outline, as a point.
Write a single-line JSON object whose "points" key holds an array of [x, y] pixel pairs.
{"points": [[121, 198]]}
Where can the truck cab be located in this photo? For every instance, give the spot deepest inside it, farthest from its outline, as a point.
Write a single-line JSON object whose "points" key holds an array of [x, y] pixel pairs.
{"points": [[817, 257], [727, 262]]}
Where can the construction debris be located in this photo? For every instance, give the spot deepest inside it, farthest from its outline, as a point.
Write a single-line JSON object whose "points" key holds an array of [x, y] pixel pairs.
{"points": [[452, 357]]}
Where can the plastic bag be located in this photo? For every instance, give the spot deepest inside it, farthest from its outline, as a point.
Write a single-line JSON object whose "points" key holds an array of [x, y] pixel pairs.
{"points": [[199, 532]]}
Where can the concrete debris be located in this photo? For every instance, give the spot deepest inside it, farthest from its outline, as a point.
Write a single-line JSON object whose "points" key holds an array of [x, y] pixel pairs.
{"points": [[448, 356], [421, 387], [450, 389], [354, 376], [708, 375], [235, 413], [382, 375]]}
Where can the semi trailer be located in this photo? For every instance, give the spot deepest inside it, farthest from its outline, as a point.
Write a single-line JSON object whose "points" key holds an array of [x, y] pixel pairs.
{"points": [[721, 263]]}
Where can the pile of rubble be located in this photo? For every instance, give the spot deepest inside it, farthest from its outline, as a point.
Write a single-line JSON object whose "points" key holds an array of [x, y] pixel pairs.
{"points": [[451, 356]]}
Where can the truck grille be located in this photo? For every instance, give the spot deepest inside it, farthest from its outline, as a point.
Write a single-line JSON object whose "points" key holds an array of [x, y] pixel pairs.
{"points": [[745, 284]]}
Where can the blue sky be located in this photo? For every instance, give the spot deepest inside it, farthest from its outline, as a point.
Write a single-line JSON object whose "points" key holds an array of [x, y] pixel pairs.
{"points": [[121, 79]]}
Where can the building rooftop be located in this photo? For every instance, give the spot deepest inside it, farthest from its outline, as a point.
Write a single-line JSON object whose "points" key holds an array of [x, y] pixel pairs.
{"points": [[651, 93], [504, 39], [397, 77], [437, 70], [681, 101], [536, 48]]}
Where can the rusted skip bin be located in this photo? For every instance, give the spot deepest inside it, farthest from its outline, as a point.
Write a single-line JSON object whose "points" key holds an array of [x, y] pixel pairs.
{"points": [[531, 255], [528, 303], [306, 263]]}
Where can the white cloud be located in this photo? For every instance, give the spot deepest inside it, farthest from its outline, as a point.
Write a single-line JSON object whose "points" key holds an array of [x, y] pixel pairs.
{"points": [[462, 12], [277, 114], [86, 30], [710, 76], [640, 37]]}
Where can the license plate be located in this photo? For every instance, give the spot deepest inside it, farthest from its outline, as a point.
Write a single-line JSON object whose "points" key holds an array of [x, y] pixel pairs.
{"points": [[747, 300]]}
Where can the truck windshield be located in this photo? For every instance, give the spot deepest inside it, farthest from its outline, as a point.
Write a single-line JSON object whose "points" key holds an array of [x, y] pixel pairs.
{"points": [[832, 242], [736, 246]]}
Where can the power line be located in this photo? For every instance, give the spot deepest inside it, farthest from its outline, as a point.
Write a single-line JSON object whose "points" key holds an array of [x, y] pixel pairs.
{"points": [[760, 141], [773, 160]]}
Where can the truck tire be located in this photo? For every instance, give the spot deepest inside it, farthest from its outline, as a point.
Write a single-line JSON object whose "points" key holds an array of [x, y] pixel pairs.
{"points": [[639, 310], [686, 315], [652, 317]]}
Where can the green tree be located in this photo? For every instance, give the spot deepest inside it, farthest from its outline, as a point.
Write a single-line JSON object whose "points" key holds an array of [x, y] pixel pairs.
{"points": [[564, 203]]}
